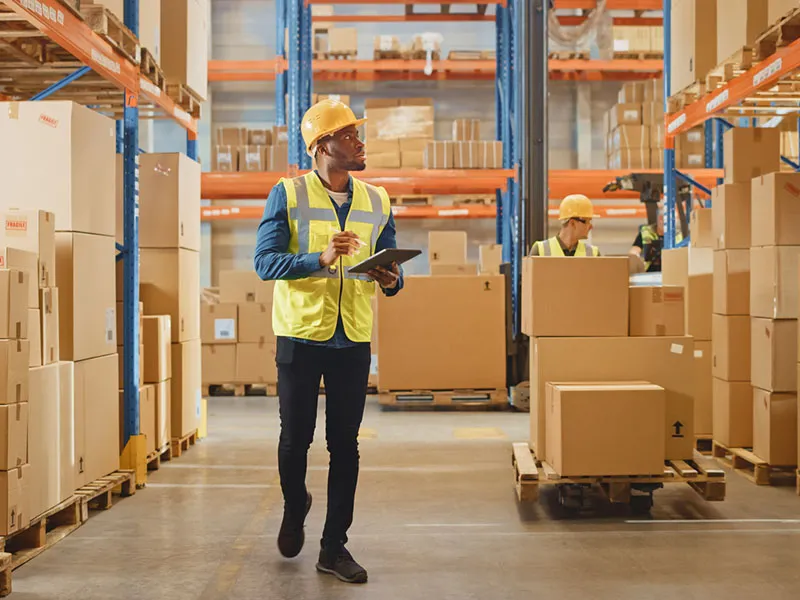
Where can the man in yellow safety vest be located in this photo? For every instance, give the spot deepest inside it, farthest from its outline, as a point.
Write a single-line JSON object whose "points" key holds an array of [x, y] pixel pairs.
{"points": [[575, 213], [314, 227]]}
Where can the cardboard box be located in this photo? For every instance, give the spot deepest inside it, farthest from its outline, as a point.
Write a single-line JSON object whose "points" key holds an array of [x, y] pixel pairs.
{"points": [[657, 137], [280, 135], [66, 399], [225, 159], [474, 313], [439, 269], [97, 410], [157, 365], [184, 44], [232, 136], [490, 259], [732, 282], [14, 501], [78, 146], [751, 153], [466, 130], [13, 304], [14, 359], [384, 154], [739, 23], [776, 210], [703, 380], [169, 202], [343, 40], [412, 160], [491, 155], [238, 287], [690, 161], [252, 159], [466, 155], [624, 114], [259, 137], [775, 427], [664, 361], [163, 413], [406, 145], [605, 429], [255, 363], [408, 121], [170, 284], [13, 435], [657, 158], [702, 232], [731, 347], [219, 364], [694, 43], [265, 290], [276, 158], [773, 354], [44, 445], [35, 337], [87, 320], [630, 158], [28, 263], [553, 293], [49, 326], [447, 247], [652, 113], [730, 215], [774, 282], [779, 8], [631, 38], [255, 323], [630, 136], [33, 231], [386, 43], [439, 155], [631, 92], [692, 269], [733, 413], [656, 311], [186, 388], [218, 323]]}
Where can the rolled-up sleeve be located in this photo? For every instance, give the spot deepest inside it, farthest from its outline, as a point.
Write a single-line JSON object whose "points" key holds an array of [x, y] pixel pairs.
{"points": [[388, 239], [272, 259]]}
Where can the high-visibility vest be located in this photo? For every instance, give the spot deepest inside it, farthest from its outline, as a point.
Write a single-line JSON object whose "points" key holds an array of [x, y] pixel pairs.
{"points": [[552, 247], [309, 308], [650, 235]]}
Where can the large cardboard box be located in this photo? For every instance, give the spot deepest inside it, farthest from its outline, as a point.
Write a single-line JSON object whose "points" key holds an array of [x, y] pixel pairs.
{"points": [[66, 400], [397, 122], [694, 43], [14, 360], [733, 413], [624, 114], [44, 446], [467, 155], [170, 285], [184, 43], [751, 152], [775, 210], [774, 282], [490, 259], [702, 233], [33, 231], [87, 320], [773, 354], [157, 364], [692, 269], [252, 159], [186, 388], [218, 323], [49, 326], [703, 383], [775, 427], [224, 159], [27, 262], [630, 158], [236, 287], [35, 337], [739, 23], [732, 282], [656, 310], [163, 413], [730, 215], [13, 304], [664, 361], [466, 130], [13, 435], [605, 429], [438, 269], [554, 291], [219, 364], [14, 501], [417, 354], [730, 344], [255, 363], [255, 323], [343, 40], [447, 247], [169, 202], [439, 155], [96, 418], [631, 136]]}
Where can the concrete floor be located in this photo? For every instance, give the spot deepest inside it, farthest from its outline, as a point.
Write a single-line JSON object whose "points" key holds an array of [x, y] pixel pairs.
{"points": [[436, 518]]}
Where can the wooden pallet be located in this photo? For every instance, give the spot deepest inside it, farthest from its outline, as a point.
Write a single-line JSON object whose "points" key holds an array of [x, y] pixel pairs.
{"points": [[465, 55], [149, 68], [733, 66], [240, 389], [701, 474], [467, 199], [703, 444], [421, 55], [104, 23], [641, 55], [181, 444], [184, 97], [747, 464], [349, 55], [569, 55], [155, 459], [415, 200], [686, 96], [444, 399], [785, 31], [99, 494], [387, 55]]}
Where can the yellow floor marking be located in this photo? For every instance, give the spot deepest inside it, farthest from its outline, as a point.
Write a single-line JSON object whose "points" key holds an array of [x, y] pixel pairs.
{"points": [[365, 433], [479, 433]]}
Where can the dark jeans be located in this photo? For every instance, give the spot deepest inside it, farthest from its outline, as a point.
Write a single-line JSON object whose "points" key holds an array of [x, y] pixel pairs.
{"points": [[346, 371]]}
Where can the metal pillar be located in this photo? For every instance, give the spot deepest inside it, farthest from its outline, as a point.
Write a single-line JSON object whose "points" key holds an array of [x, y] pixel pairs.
{"points": [[536, 108], [669, 151], [280, 52], [306, 73], [294, 82], [518, 223], [708, 138], [130, 305], [191, 145]]}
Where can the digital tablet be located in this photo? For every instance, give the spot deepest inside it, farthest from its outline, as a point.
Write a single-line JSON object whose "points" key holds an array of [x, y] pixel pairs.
{"points": [[384, 258]]}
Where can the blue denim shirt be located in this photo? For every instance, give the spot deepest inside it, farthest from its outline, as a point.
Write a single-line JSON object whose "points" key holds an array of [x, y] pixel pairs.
{"points": [[272, 261]]}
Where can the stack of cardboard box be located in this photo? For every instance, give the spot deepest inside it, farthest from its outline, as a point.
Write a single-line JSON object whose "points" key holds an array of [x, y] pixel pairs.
{"points": [[184, 44], [251, 150], [447, 253], [694, 43], [624, 354], [465, 151], [638, 39], [155, 410], [635, 126], [398, 131], [490, 257], [169, 225]]}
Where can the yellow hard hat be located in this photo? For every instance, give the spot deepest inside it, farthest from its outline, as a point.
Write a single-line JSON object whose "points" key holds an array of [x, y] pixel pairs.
{"points": [[324, 118], [576, 206]]}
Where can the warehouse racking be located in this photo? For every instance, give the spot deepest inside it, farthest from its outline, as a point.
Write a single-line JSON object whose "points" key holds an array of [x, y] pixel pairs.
{"points": [[115, 86]]}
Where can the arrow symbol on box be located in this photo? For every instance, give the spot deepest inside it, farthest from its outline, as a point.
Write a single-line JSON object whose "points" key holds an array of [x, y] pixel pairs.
{"points": [[678, 426]]}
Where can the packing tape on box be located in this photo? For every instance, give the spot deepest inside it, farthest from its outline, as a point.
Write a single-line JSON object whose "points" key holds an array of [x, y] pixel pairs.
{"points": [[13, 110]]}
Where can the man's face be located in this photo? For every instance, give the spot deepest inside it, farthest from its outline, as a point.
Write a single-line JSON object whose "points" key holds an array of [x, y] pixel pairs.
{"points": [[344, 150], [582, 227]]}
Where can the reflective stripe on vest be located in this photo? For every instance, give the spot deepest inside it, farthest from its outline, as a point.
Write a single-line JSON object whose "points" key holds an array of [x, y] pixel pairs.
{"points": [[552, 247]]}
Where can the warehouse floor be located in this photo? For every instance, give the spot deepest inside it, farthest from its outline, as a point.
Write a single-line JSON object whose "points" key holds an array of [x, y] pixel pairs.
{"points": [[436, 518]]}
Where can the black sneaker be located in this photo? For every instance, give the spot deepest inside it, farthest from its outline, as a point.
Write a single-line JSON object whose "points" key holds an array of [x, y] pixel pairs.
{"points": [[339, 562], [292, 536]]}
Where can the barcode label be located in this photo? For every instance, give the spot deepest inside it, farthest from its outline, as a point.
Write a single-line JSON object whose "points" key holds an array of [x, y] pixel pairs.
{"points": [[224, 329], [111, 326]]}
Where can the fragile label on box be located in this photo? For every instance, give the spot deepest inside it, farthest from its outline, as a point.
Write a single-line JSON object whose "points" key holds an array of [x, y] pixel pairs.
{"points": [[225, 329]]}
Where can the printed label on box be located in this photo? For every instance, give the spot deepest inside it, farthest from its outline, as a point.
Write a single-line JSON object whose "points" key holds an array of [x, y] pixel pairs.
{"points": [[631, 115], [224, 329], [16, 224], [111, 326]]}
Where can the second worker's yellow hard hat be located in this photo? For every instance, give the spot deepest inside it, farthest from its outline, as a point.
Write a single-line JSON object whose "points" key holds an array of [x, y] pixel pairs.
{"points": [[324, 118], [576, 206]]}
